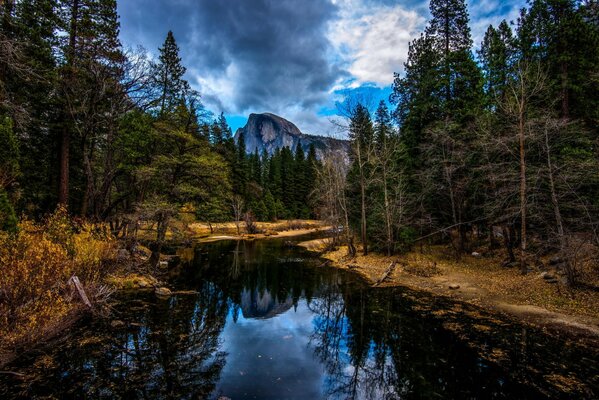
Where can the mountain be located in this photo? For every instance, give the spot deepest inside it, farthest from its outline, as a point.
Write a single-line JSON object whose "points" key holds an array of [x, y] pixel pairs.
{"points": [[270, 132]]}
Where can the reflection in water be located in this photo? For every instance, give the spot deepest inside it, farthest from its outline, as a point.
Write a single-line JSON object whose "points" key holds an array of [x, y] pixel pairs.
{"points": [[267, 323]]}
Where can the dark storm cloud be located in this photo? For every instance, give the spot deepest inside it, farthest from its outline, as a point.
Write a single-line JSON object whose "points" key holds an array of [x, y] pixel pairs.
{"points": [[278, 48]]}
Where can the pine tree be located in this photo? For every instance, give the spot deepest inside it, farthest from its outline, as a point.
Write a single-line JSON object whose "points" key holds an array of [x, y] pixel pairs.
{"points": [[9, 154], [496, 56], [170, 86], [560, 34], [288, 182], [270, 206], [417, 96], [312, 166], [240, 168], [460, 79], [300, 189]]}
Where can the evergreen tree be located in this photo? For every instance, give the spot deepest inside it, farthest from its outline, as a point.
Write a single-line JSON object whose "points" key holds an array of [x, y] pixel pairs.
{"points": [[560, 34], [270, 206], [240, 169], [288, 182], [168, 80], [460, 79], [496, 56], [417, 96], [9, 154], [301, 185]]}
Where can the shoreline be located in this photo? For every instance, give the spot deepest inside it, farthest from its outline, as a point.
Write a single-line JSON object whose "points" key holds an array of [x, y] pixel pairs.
{"points": [[463, 286], [268, 235]]}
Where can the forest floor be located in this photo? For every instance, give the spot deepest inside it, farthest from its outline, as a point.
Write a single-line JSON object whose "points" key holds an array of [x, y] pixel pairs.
{"points": [[480, 280]]}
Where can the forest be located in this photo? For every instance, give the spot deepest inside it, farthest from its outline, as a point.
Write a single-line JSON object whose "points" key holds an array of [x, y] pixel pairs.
{"points": [[488, 146], [493, 147], [99, 140]]}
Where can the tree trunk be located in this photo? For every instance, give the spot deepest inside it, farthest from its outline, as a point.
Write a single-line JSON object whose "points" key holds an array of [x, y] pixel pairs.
{"points": [[89, 180], [387, 213], [63, 184], [363, 217], [523, 205], [65, 140], [554, 200], [564, 90]]}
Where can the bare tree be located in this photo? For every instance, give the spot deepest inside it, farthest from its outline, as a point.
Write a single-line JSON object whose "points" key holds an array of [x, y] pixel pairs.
{"points": [[527, 83], [237, 204], [329, 195]]}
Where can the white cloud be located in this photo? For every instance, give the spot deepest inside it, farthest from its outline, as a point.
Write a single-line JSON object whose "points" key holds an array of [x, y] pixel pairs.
{"points": [[373, 39], [490, 12]]}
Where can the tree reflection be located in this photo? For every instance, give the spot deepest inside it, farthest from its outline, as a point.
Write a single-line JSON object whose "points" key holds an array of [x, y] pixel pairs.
{"points": [[169, 350], [371, 343]]}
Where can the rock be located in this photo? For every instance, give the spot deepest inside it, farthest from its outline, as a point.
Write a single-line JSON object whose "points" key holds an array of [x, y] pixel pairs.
{"points": [[476, 254], [143, 251], [454, 286], [510, 264], [547, 275], [268, 132], [163, 292], [163, 264], [117, 323], [555, 260], [122, 255]]}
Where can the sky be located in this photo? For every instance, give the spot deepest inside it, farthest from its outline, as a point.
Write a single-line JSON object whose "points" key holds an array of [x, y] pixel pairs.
{"points": [[298, 59]]}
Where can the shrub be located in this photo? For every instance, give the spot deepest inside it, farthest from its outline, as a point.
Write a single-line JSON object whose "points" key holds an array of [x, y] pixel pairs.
{"points": [[35, 266]]}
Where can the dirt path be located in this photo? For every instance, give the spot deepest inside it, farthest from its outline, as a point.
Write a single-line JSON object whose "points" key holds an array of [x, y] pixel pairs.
{"points": [[481, 281]]}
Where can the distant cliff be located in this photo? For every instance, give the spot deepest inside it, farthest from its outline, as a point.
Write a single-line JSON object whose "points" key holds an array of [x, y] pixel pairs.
{"points": [[270, 132]]}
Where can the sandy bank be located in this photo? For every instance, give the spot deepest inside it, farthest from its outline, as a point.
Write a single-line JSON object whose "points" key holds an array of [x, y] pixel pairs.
{"points": [[480, 281]]}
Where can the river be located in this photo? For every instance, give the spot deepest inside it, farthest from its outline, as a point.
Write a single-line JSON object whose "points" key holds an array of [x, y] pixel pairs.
{"points": [[265, 320]]}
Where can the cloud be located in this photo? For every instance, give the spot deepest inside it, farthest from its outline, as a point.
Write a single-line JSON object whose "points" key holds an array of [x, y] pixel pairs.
{"points": [[290, 57], [490, 12], [263, 54], [373, 38]]}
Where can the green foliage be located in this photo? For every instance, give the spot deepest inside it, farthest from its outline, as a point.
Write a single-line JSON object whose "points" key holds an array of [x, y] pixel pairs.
{"points": [[167, 77], [9, 153], [406, 237], [8, 219]]}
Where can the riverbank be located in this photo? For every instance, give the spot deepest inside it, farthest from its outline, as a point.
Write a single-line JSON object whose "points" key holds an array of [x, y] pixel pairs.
{"points": [[480, 280], [39, 300], [202, 232]]}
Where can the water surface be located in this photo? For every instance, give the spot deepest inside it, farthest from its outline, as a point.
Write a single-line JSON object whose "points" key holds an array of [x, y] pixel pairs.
{"points": [[265, 320]]}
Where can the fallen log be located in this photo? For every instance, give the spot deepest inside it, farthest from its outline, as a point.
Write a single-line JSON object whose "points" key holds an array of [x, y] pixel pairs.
{"points": [[79, 287], [388, 272]]}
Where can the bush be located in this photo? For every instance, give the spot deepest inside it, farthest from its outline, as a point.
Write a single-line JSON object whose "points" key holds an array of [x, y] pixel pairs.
{"points": [[35, 266]]}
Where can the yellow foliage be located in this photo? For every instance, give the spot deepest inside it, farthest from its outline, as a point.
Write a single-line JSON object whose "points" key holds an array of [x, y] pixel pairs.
{"points": [[35, 266]]}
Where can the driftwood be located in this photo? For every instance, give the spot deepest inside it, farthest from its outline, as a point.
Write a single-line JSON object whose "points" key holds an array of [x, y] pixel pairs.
{"points": [[12, 373], [79, 287], [388, 272]]}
